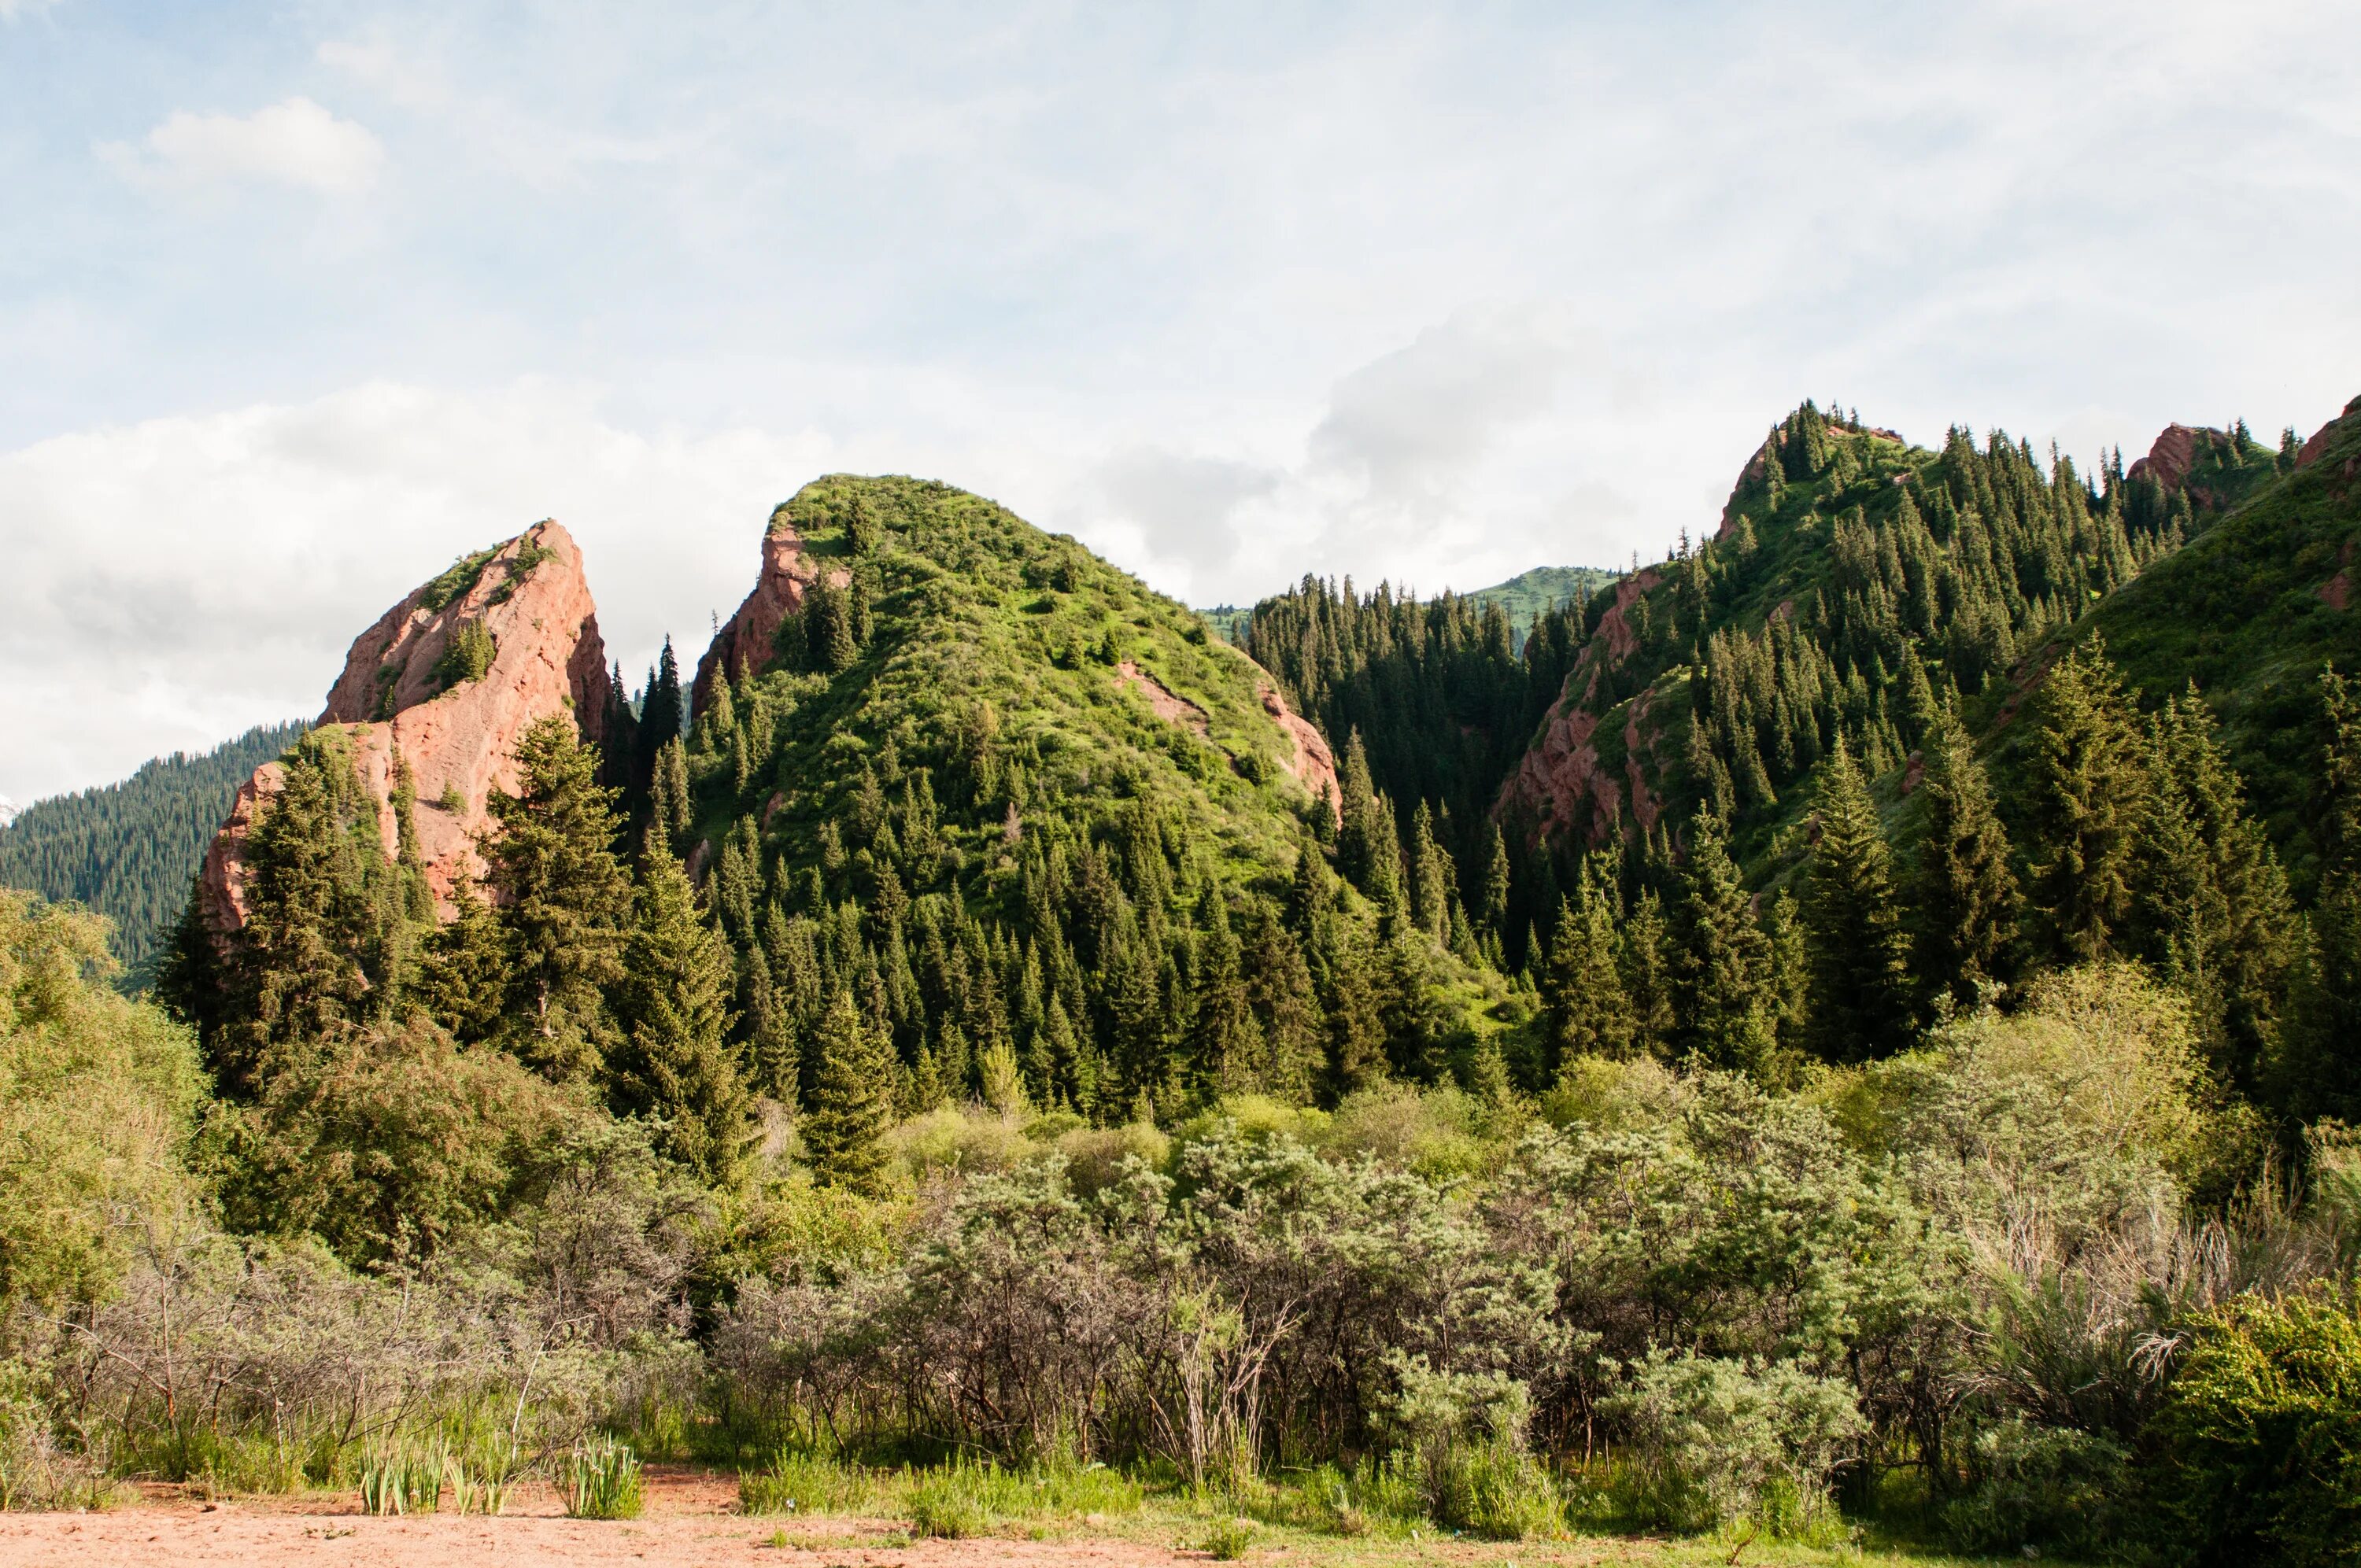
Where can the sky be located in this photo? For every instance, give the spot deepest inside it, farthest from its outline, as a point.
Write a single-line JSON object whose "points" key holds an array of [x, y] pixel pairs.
{"points": [[299, 301]]}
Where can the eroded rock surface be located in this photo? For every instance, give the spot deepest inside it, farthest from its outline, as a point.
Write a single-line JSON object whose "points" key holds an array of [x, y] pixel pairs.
{"points": [[423, 685]]}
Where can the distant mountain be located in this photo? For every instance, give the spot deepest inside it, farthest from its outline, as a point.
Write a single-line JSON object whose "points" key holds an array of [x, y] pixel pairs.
{"points": [[1521, 597], [1542, 590], [130, 849]]}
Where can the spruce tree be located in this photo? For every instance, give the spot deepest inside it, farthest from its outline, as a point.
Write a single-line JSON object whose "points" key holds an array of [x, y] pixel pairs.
{"points": [[850, 1105], [673, 1064], [2321, 1068], [1723, 996], [1964, 897], [1367, 851], [565, 901], [1644, 958], [463, 983], [1586, 1010], [1860, 1005], [2085, 791]]}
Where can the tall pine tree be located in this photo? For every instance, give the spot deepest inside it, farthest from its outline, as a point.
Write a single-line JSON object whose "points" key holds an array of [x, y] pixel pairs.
{"points": [[1964, 897], [673, 1064], [850, 1102], [565, 901], [1860, 1005]]}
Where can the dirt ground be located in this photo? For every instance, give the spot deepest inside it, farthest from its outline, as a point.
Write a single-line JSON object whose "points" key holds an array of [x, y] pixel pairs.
{"points": [[690, 1521]]}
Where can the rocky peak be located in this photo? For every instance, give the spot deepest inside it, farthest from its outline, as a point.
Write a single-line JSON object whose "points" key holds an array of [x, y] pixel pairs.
{"points": [[2315, 448], [2171, 458], [449, 679], [744, 644]]}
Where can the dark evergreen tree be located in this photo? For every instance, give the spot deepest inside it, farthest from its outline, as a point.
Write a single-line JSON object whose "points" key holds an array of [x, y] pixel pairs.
{"points": [[2085, 789], [1586, 1010], [1860, 1005], [2319, 1074], [563, 903], [1723, 999], [850, 1102], [1964, 896], [673, 1064]]}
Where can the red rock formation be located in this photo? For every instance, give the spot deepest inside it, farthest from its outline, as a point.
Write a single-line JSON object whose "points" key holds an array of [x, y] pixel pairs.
{"points": [[743, 646], [1170, 705], [1311, 760], [2174, 453], [2313, 450], [220, 881], [1561, 773], [531, 595]]}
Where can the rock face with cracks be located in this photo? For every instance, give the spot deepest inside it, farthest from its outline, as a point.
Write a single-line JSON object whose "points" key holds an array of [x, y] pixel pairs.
{"points": [[448, 680]]}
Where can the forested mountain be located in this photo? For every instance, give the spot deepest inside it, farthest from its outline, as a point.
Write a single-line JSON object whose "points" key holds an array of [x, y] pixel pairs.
{"points": [[128, 849], [1853, 1022], [1522, 599]]}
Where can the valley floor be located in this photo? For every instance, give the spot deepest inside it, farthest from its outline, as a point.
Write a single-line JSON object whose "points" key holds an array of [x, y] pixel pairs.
{"points": [[691, 1521]]}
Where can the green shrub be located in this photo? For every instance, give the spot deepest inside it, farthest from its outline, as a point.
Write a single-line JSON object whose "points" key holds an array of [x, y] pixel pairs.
{"points": [[466, 656], [2262, 1433], [1466, 1436], [2043, 1488], [600, 1480], [1713, 1441], [35, 1474], [1225, 1540], [800, 1482], [948, 1509]]}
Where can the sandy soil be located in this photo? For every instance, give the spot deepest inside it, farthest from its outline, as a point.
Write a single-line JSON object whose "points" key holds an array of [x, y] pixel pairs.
{"points": [[689, 1522]]}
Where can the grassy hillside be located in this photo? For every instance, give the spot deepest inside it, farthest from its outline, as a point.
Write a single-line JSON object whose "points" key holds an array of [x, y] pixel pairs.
{"points": [[130, 850]]}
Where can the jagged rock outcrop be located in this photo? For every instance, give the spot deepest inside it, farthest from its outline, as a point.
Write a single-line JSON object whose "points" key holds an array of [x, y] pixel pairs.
{"points": [[448, 680], [2314, 449], [1560, 776], [2172, 457], [744, 644]]}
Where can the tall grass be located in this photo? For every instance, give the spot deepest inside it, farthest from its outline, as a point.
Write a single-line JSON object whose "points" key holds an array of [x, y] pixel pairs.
{"points": [[600, 1480]]}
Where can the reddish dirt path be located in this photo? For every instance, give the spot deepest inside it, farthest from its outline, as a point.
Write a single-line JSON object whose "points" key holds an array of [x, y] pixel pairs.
{"points": [[688, 1524]]}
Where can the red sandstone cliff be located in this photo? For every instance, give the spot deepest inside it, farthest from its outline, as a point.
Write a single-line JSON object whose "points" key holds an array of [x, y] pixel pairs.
{"points": [[743, 646], [1560, 782], [531, 595]]}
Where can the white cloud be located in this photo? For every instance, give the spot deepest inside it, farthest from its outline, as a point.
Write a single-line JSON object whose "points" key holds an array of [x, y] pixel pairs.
{"points": [[172, 582], [295, 143]]}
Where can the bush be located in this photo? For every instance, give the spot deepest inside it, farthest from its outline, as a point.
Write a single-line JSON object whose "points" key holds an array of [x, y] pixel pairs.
{"points": [[2262, 1434], [1713, 1441], [34, 1473], [600, 1480], [2037, 1488], [1466, 1434], [96, 1099], [1225, 1540], [466, 656]]}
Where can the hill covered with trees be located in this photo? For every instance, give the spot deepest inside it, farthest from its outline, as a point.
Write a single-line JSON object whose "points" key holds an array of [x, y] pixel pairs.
{"points": [[1830, 1031], [127, 850]]}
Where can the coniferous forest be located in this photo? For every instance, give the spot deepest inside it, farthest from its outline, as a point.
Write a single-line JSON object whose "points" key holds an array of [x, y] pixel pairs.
{"points": [[1851, 1031], [128, 851]]}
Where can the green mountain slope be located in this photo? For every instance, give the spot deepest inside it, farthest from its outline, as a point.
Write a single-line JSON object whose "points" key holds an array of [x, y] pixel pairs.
{"points": [[130, 850], [1541, 590], [1854, 579], [1030, 812], [2250, 610]]}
